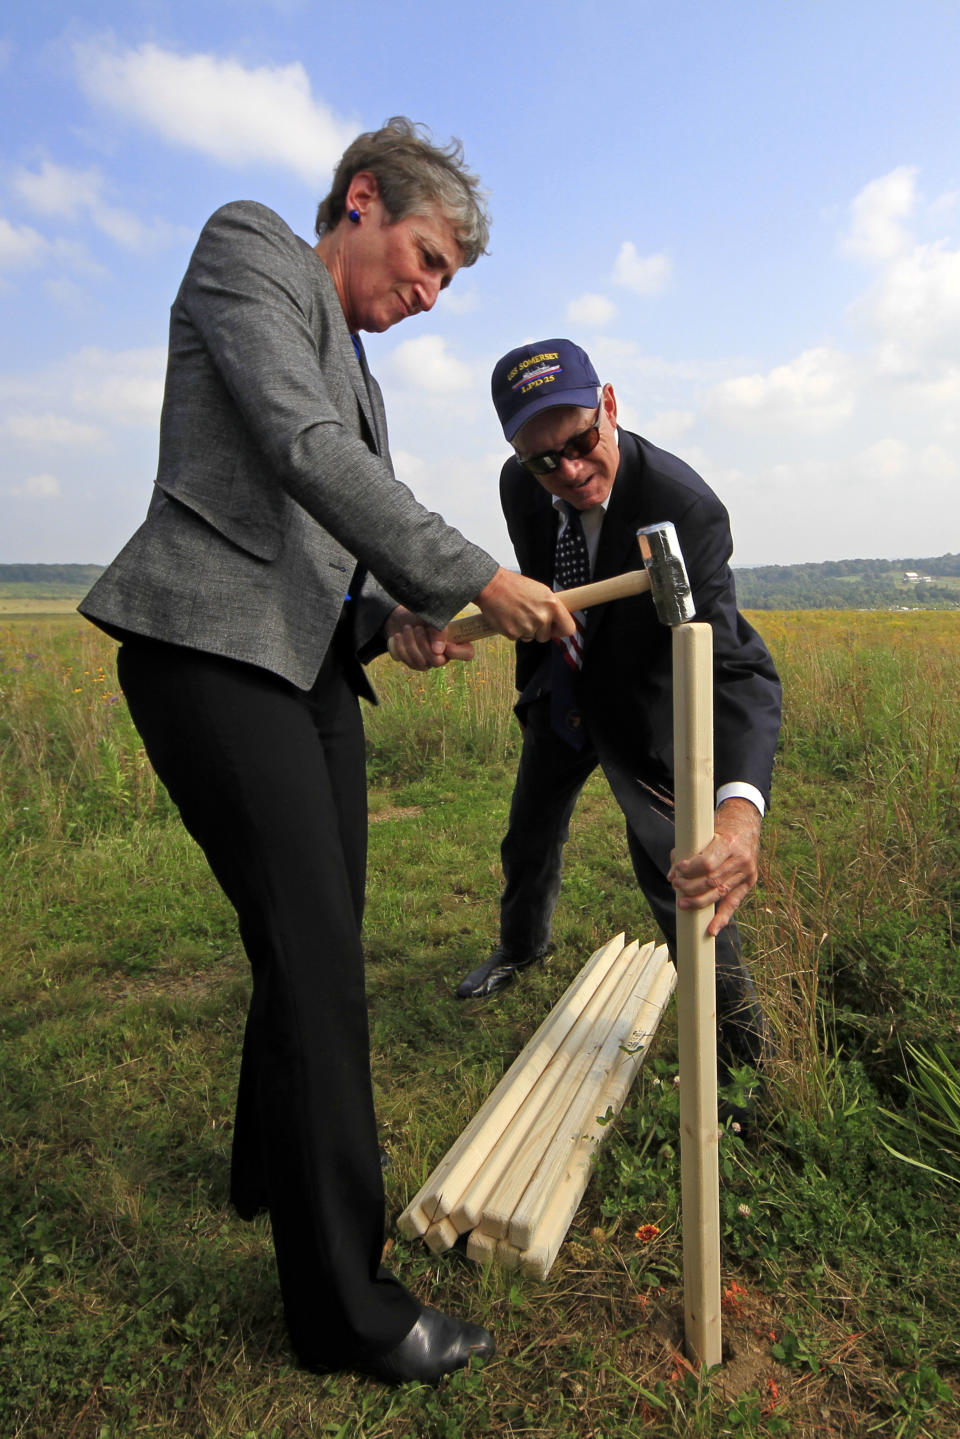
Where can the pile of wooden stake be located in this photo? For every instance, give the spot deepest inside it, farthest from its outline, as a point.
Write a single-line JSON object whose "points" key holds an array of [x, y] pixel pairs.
{"points": [[514, 1178]]}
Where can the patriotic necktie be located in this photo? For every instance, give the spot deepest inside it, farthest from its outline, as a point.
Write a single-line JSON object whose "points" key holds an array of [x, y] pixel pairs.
{"points": [[571, 568]]}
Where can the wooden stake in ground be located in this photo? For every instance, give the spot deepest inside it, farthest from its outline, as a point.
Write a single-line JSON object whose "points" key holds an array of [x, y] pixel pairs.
{"points": [[696, 998]]}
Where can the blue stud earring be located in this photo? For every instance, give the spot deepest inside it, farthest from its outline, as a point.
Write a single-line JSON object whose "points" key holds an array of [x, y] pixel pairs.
{"points": [[354, 217]]}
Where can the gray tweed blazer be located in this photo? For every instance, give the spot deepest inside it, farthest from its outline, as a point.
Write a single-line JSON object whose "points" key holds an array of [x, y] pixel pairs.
{"points": [[274, 479]]}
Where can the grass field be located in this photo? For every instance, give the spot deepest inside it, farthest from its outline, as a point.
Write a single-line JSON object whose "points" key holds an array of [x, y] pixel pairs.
{"points": [[25, 599], [27, 607], [133, 1302]]}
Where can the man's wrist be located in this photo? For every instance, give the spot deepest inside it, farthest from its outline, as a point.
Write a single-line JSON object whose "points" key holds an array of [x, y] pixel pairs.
{"points": [[739, 789]]}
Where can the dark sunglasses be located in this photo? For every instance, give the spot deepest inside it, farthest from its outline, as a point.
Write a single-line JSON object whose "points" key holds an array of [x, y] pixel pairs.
{"points": [[578, 447]]}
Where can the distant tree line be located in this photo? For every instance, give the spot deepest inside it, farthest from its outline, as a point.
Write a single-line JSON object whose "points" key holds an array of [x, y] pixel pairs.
{"points": [[79, 575], [852, 585], [829, 585]]}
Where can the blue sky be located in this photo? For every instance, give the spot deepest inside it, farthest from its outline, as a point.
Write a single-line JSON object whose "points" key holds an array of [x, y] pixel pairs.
{"points": [[748, 213]]}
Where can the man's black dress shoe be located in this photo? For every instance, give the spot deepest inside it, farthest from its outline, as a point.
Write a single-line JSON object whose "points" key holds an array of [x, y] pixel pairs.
{"points": [[495, 973], [436, 1345]]}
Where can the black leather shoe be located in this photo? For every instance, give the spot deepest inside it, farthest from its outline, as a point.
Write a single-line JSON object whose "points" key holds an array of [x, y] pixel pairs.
{"points": [[436, 1345], [495, 973]]}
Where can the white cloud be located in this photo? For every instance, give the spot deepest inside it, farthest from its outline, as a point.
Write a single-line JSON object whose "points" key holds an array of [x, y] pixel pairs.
{"points": [[37, 487], [591, 311], [425, 363], [929, 466], [221, 108], [888, 458], [125, 387], [643, 274], [938, 400], [914, 308], [911, 313], [629, 368], [669, 426], [814, 393], [824, 509], [407, 467], [936, 463], [41, 430], [945, 205], [876, 230], [58, 191], [848, 447], [19, 245], [459, 301], [461, 485], [83, 405]]}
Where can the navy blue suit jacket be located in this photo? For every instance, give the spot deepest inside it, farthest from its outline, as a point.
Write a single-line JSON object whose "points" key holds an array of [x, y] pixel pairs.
{"points": [[626, 681]]}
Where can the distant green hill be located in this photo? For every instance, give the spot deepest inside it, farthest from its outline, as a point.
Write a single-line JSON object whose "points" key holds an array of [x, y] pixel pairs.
{"points": [[932, 584], [44, 588], [77, 577]]}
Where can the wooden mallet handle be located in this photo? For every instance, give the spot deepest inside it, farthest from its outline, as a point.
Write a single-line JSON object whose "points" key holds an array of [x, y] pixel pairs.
{"points": [[634, 582]]}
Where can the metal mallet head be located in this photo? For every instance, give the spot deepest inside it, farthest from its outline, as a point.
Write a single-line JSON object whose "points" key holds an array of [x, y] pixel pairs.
{"points": [[669, 585]]}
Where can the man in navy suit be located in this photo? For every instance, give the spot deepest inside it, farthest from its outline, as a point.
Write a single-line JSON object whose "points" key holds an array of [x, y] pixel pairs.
{"points": [[574, 495]]}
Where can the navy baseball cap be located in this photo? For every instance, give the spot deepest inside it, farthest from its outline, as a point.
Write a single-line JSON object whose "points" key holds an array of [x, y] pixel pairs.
{"points": [[540, 376]]}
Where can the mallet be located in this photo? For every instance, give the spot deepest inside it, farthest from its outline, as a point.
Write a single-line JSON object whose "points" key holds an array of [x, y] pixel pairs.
{"points": [[696, 962], [663, 574]]}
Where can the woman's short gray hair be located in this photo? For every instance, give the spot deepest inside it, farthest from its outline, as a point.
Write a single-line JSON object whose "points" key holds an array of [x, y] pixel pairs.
{"points": [[413, 176]]}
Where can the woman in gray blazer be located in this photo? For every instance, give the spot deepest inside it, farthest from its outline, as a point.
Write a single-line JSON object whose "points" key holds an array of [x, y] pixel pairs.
{"points": [[278, 551]]}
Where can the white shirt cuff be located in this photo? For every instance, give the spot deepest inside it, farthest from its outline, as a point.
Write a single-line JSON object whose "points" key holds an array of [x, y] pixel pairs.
{"points": [[739, 789]]}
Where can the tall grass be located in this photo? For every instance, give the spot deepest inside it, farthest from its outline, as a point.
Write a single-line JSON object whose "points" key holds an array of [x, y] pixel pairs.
{"points": [[859, 862], [132, 1303], [859, 869], [70, 759], [860, 877], [459, 716]]}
